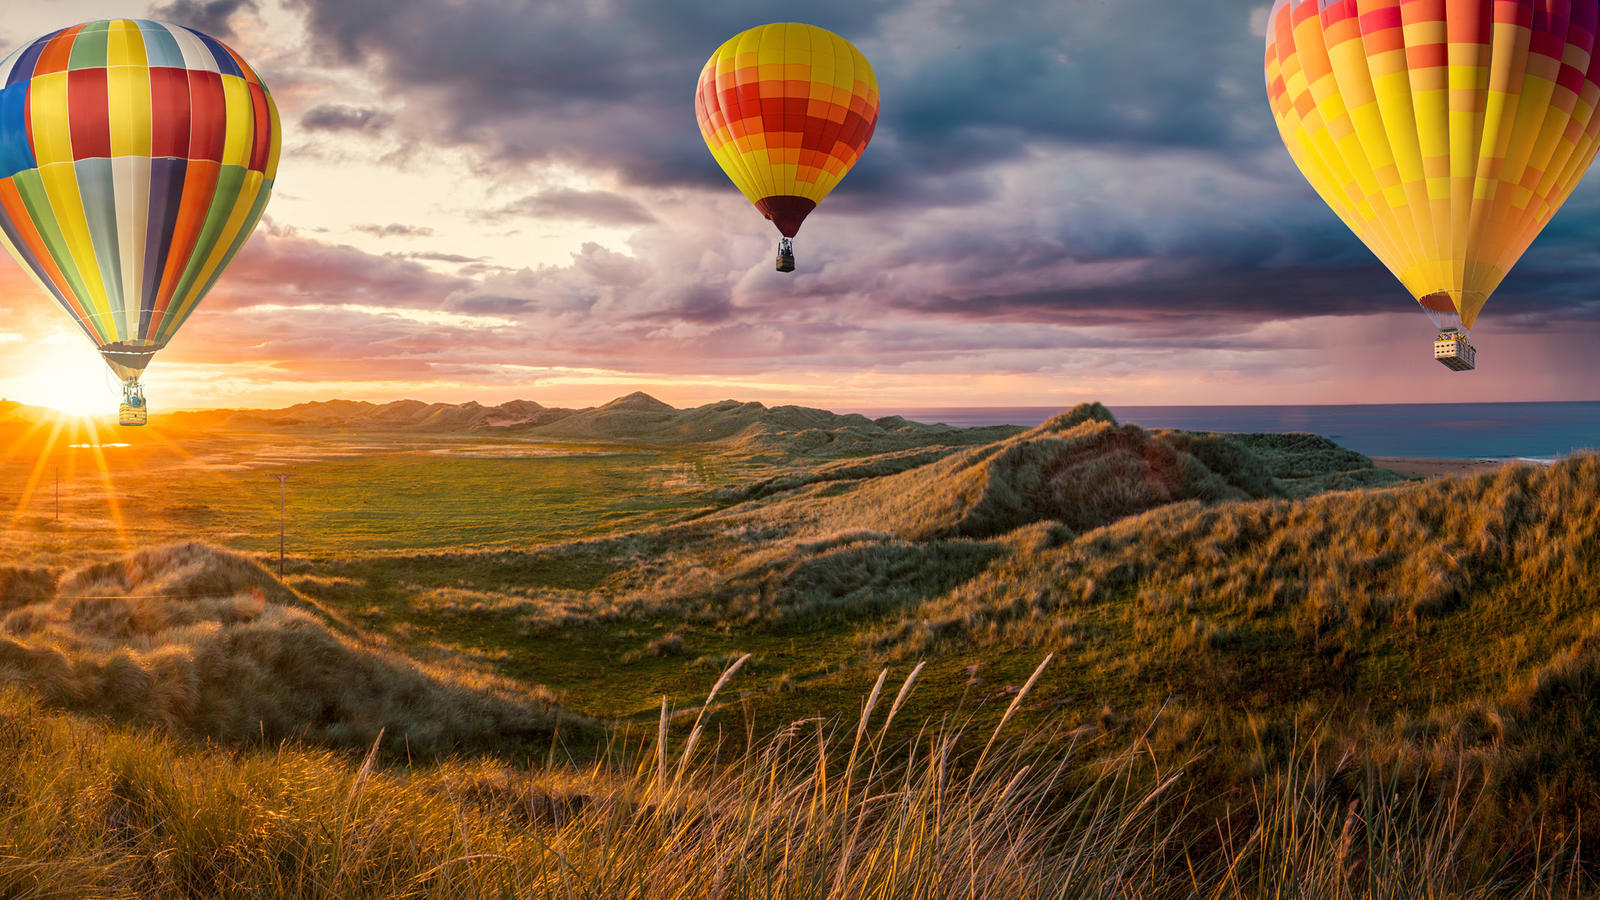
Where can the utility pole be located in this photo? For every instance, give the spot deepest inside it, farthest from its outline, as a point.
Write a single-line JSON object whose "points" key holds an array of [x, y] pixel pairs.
{"points": [[283, 493]]}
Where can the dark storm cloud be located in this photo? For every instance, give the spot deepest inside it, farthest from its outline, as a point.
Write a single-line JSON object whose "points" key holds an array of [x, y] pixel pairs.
{"points": [[963, 84], [598, 207], [1169, 198], [209, 16], [336, 117]]}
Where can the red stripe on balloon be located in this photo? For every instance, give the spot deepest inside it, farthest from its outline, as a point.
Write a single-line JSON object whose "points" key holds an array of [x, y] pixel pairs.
{"points": [[169, 112], [208, 116], [1380, 19], [1514, 12], [89, 114], [1427, 56], [262, 150], [1464, 23]]}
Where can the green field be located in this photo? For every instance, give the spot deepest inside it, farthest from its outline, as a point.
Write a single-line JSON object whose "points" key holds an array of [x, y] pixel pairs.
{"points": [[373, 492]]}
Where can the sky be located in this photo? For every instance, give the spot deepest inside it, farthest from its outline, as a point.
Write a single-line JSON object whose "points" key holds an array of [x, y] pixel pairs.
{"points": [[1065, 200]]}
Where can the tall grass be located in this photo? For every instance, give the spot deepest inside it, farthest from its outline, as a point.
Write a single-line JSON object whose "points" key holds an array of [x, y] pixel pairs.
{"points": [[815, 810], [205, 642]]}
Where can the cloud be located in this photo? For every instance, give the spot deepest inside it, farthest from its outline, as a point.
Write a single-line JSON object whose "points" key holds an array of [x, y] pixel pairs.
{"points": [[336, 117], [444, 257], [287, 269], [209, 16], [597, 207], [1061, 190], [964, 84], [395, 229]]}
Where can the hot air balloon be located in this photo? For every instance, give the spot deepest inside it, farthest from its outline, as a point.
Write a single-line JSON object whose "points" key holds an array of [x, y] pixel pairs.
{"points": [[135, 160], [1445, 133], [786, 109]]}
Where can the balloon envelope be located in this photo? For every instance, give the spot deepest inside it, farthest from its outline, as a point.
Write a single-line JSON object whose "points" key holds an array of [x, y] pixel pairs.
{"points": [[787, 109], [1445, 133], [135, 160]]}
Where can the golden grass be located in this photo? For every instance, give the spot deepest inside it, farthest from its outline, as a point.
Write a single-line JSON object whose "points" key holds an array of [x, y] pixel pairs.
{"points": [[1356, 695], [204, 642], [811, 811]]}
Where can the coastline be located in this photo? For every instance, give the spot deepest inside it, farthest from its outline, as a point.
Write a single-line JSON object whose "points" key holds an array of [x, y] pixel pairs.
{"points": [[1433, 467]]}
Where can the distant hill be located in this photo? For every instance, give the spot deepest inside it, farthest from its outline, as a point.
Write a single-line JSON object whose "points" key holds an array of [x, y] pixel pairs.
{"points": [[1081, 469], [401, 415], [752, 427], [12, 411]]}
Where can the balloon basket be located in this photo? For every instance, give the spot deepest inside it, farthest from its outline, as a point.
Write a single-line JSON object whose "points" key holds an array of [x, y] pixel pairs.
{"points": [[132, 415], [133, 410], [786, 255], [1453, 349]]}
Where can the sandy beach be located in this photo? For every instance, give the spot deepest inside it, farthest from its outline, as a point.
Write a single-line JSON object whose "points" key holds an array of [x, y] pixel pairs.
{"points": [[1423, 467]]}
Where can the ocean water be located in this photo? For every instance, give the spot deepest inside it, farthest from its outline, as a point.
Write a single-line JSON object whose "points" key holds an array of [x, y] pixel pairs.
{"points": [[1535, 431]]}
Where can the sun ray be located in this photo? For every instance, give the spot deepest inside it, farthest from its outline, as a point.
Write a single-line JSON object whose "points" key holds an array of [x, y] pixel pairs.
{"points": [[58, 420], [113, 504], [154, 434], [41, 462]]}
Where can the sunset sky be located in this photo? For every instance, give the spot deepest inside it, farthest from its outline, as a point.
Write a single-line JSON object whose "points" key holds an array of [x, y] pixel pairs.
{"points": [[1065, 200]]}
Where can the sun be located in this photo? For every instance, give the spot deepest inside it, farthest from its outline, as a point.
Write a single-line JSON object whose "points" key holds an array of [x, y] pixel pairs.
{"points": [[68, 376]]}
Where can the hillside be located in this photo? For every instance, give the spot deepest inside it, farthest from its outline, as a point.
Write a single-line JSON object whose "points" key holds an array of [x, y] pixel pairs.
{"points": [[1189, 589], [1080, 470], [203, 642], [1289, 632]]}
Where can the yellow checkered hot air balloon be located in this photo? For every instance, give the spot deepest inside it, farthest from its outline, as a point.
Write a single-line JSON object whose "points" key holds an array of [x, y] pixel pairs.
{"points": [[786, 109], [1445, 133]]}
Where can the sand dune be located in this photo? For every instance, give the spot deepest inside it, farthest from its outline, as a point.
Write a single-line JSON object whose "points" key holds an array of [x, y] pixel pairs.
{"points": [[203, 641], [1080, 469]]}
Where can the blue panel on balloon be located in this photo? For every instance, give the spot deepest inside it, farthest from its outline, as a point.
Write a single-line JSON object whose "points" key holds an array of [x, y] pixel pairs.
{"points": [[15, 154]]}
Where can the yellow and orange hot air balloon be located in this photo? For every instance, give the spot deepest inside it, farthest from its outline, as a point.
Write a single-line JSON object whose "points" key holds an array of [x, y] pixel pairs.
{"points": [[1445, 133], [786, 109]]}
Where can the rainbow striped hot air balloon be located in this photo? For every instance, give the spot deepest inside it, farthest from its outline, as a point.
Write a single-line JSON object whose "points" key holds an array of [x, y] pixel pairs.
{"points": [[1445, 133], [135, 160], [786, 109]]}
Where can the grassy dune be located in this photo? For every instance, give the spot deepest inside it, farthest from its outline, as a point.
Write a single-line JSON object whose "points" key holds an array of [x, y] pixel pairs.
{"points": [[812, 811], [204, 642], [1278, 670]]}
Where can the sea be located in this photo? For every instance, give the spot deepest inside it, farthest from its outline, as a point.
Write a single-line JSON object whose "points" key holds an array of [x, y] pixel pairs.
{"points": [[1528, 431]]}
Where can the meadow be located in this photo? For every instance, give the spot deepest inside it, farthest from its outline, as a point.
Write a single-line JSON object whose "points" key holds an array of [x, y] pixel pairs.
{"points": [[368, 492], [1273, 669]]}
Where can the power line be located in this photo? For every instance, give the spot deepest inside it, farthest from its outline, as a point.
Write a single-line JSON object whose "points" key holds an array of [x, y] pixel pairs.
{"points": [[66, 597], [283, 494]]}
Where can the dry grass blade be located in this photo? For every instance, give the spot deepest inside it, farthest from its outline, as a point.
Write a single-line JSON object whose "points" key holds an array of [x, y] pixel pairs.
{"points": [[661, 744], [900, 698], [699, 719], [1011, 711], [364, 773]]}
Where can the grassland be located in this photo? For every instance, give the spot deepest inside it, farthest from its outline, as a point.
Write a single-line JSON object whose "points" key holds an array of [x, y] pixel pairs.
{"points": [[1273, 664], [376, 492]]}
